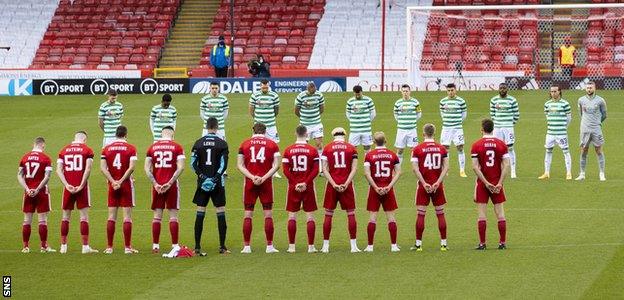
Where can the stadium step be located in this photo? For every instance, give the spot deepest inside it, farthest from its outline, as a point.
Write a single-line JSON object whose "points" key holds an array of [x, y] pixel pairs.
{"points": [[189, 34], [553, 36]]}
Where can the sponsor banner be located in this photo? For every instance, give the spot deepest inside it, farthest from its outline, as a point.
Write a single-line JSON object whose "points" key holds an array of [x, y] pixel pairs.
{"points": [[370, 81], [575, 83], [68, 74], [16, 87], [100, 86], [278, 85], [431, 80]]}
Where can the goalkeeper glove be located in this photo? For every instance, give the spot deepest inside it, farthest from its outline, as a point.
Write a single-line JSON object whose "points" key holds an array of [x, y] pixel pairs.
{"points": [[209, 184]]}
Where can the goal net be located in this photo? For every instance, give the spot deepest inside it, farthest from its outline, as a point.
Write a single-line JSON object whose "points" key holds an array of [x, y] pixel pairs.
{"points": [[479, 46]]}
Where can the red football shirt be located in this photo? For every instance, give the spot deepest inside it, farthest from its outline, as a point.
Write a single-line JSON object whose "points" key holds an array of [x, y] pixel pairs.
{"points": [[490, 152], [34, 164], [118, 156], [300, 162], [74, 159], [381, 162], [259, 153], [339, 156], [429, 156], [165, 155]]}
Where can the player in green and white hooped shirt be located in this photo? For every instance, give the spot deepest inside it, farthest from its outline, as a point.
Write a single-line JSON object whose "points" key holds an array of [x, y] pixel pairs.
{"points": [[505, 114], [264, 108], [407, 112], [453, 111], [214, 105], [360, 112], [309, 105], [593, 111], [558, 117], [162, 115], [109, 117]]}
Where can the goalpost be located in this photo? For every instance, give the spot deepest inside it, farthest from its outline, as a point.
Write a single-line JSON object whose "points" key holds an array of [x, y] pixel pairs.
{"points": [[480, 46]]}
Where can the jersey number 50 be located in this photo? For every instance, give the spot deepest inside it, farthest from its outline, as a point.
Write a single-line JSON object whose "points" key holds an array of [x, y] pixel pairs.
{"points": [[73, 163]]}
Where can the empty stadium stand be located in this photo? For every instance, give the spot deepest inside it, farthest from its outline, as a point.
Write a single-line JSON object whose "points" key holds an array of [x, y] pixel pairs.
{"points": [[106, 34], [22, 25], [481, 40], [283, 31], [349, 35], [604, 43]]}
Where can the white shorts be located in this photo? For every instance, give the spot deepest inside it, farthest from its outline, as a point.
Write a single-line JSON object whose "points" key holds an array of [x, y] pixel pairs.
{"points": [[108, 140], [364, 139], [406, 138], [271, 133], [560, 140], [315, 131], [452, 135], [220, 133], [505, 134], [595, 137]]}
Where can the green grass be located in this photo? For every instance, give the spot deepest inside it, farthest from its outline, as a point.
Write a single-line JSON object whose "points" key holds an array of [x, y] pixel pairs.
{"points": [[566, 239]]}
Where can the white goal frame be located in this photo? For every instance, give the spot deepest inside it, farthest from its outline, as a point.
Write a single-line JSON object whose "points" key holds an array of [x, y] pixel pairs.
{"points": [[410, 49]]}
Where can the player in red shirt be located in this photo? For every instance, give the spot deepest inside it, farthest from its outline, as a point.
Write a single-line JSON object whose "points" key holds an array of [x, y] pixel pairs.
{"points": [[339, 166], [490, 161], [73, 168], [117, 164], [301, 165], [33, 175], [382, 170], [163, 165], [430, 164], [258, 160]]}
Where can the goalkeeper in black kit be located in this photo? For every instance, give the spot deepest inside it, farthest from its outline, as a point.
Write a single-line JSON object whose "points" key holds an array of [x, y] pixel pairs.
{"points": [[209, 160]]}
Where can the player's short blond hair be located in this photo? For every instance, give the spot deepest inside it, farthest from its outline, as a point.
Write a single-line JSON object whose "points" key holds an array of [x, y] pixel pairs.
{"points": [[380, 138]]}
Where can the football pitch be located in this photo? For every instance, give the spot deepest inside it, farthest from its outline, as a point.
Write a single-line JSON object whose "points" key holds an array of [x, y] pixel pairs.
{"points": [[565, 238]]}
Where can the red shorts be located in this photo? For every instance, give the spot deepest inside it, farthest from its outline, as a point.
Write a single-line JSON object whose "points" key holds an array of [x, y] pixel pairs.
{"points": [[252, 192], [168, 200], [423, 198], [346, 198], [39, 203], [387, 201], [123, 197], [295, 200], [81, 199], [482, 194]]}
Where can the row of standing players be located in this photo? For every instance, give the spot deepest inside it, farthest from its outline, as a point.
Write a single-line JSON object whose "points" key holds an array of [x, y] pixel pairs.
{"points": [[258, 160], [208, 108], [360, 112]]}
